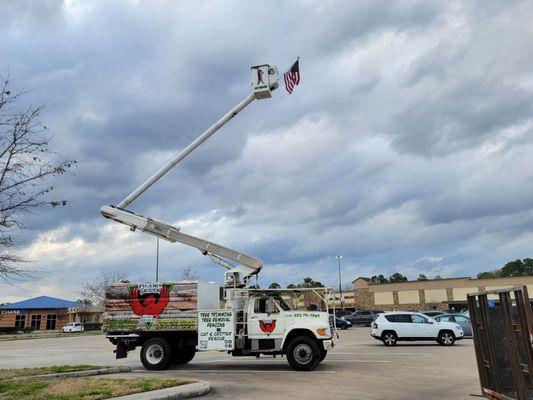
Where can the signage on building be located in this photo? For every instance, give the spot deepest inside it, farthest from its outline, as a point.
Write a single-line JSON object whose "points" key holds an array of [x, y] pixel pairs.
{"points": [[12, 312]]}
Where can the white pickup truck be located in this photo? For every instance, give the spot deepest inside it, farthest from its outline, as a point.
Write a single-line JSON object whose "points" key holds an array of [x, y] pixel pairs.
{"points": [[172, 321]]}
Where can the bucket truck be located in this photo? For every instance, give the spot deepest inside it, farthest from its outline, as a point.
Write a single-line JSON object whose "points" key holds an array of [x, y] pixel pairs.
{"points": [[171, 321]]}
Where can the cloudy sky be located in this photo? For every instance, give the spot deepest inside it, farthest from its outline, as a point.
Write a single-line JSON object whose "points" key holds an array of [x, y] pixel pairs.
{"points": [[407, 146]]}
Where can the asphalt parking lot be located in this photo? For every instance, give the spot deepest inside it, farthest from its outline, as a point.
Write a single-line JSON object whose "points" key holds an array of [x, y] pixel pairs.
{"points": [[358, 368]]}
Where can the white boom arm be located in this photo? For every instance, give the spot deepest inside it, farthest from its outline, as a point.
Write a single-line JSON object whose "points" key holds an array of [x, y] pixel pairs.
{"points": [[236, 276], [265, 79]]}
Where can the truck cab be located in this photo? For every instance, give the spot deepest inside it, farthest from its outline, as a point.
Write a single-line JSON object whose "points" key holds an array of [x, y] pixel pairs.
{"points": [[275, 326]]}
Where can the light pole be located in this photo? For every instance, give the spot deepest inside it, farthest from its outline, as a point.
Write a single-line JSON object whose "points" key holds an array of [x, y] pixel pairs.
{"points": [[339, 258]]}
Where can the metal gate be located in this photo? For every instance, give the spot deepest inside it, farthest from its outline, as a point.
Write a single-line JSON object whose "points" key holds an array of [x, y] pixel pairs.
{"points": [[503, 341]]}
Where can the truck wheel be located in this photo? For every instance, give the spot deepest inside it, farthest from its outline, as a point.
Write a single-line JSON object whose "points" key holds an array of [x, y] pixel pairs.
{"points": [[303, 353], [182, 355], [446, 338], [156, 354]]}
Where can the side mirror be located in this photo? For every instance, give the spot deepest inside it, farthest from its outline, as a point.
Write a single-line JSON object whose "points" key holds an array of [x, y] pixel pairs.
{"points": [[270, 306]]}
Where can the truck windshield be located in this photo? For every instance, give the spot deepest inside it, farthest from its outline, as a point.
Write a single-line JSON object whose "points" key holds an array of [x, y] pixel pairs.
{"points": [[284, 306]]}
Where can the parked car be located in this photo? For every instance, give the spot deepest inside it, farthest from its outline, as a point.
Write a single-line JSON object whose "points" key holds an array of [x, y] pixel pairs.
{"points": [[361, 317], [458, 318], [342, 323], [398, 326], [341, 313], [72, 327], [434, 313]]}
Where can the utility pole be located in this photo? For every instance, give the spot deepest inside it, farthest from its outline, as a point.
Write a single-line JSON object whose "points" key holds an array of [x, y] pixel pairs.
{"points": [[339, 258], [157, 262]]}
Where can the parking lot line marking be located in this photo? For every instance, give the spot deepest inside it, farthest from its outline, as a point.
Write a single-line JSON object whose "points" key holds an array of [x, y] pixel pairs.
{"points": [[210, 361], [383, 354], [283, 360], [253, 371], [358, 361]]}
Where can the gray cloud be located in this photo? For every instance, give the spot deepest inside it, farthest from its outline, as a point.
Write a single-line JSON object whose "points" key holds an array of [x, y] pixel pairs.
{"points": [[407, 141]]}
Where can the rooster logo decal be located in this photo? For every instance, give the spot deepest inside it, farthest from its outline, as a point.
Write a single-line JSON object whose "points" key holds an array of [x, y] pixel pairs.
{"points": [[267, 326], [151, 304]]}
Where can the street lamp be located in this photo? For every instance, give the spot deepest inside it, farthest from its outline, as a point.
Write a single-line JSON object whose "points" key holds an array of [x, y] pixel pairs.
{"points": [[339, 258]]}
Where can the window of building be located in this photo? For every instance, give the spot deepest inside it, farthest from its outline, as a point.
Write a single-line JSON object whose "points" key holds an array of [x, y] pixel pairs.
{"points": [[20, 321], [51, 322], [36, 322]]}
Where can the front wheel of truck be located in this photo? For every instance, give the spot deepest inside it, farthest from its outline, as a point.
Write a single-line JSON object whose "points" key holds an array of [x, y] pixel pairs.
{"points": [[182, 355], [156, 354], [303, 353]]}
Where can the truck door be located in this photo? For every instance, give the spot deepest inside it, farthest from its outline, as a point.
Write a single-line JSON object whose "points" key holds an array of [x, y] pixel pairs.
{"points": [[263, 324]]}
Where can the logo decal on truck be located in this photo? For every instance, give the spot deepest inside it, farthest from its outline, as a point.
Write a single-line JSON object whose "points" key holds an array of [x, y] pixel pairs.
{"points": [[149, 300], [267, 326]]}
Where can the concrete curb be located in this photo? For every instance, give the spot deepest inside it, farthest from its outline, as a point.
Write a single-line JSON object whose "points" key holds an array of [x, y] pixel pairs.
{"points": [[177, 392], [77, 374]]}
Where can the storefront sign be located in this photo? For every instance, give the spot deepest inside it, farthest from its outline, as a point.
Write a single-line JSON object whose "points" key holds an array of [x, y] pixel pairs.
{"points": [[12, 312]]}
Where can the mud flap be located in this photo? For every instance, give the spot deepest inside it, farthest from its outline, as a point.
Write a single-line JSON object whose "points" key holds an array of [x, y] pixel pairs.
{"points": [[121, 351]]}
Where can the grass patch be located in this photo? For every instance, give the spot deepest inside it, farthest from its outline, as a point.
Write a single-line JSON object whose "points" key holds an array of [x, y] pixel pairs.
{"points": [[81, 388], [45, 335], [12, 373]]}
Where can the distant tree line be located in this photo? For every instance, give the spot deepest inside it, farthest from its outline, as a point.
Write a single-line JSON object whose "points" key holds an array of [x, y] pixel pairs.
{"points": [[307, 283], [513, 268], [397, 277]]}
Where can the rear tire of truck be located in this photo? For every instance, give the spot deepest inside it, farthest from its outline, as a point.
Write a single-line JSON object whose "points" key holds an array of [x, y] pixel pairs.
{"points": [[156, 354], [182, 355], [303, 353]]}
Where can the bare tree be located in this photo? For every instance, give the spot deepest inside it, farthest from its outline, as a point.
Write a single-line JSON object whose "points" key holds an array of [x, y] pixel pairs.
{"points": [[94, 290], [27, 167]]}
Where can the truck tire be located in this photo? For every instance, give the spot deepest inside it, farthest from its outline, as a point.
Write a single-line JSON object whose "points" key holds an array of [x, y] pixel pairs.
{"points": [[303, 353], [323, 355], [182, 355], [156, 354]]}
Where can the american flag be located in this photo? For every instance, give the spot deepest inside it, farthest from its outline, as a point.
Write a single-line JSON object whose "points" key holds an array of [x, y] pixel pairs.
{"points": [[292, 77]]}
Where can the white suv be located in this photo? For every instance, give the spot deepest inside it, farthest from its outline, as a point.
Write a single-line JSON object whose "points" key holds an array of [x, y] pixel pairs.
{"points": [[394, 326]]}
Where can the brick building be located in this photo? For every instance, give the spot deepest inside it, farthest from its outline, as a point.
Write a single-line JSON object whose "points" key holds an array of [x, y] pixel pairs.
{"points": [[42, 313], [428, 294]]}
